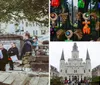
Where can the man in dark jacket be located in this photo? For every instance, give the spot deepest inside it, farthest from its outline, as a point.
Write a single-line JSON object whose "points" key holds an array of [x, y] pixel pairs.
{"points": [[11, 52], [27, 45], [3, 57]]}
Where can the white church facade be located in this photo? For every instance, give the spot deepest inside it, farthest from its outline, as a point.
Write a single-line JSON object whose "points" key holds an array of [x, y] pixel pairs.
{"points": [[75, 68]]}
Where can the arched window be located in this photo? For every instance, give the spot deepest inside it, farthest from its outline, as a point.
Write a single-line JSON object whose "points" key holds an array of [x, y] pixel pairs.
{"points": [[65, 78], [60, 70], [78, 77], [75, 71], [69, 77], [89, 70], [84, 71], [65, 71], [81, 77]]}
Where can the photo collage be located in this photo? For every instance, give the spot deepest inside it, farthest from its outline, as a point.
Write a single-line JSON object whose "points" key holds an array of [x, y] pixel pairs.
{"points": [[49, 42]]}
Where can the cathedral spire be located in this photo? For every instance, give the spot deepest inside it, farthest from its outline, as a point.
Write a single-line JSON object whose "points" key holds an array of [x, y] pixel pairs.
{"points": [[75, 48], [62, 56], [87, 55]]}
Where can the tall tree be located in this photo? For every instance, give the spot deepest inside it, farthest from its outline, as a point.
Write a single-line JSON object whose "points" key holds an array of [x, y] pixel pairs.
{"points": [[32, 10]]}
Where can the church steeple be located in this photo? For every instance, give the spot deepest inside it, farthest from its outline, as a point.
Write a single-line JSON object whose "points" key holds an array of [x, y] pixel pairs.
{"points": [[62, 56], [87, 55], [75, 48]]}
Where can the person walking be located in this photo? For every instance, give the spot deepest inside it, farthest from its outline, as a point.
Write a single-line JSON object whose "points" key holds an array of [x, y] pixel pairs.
{"points": [[13, 51], [27, 47], [3, 57]]}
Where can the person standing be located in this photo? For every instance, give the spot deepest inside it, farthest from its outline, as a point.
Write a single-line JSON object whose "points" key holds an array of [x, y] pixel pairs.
{"points": [[13, 51], [27, 47], [3, 57], [35, 42]]}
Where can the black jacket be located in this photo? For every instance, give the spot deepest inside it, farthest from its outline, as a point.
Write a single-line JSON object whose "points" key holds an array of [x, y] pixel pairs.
{"points": [[13, 51], [26, 48], [5, 57]]}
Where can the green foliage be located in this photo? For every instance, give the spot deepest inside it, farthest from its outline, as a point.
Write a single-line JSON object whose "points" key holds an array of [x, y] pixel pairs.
{"points": [[56, 81], [32, 10], [96, 79]]}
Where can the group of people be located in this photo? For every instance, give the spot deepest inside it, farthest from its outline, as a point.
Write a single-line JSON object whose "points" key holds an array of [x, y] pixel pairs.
{"points": [[6, 55], [68, 82]]}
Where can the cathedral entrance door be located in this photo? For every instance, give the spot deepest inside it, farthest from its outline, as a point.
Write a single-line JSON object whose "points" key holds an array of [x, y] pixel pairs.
{"points": [[75, 78]]}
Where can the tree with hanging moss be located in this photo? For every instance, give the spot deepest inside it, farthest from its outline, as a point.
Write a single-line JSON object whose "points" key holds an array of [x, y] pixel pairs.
{"points": [[32, 10]]}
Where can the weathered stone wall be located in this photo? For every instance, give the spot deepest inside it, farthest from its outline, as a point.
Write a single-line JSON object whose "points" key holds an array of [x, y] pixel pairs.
{"points": [[38, 62]]}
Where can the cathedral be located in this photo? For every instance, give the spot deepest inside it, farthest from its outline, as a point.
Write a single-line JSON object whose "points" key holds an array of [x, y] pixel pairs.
{"points": [[75, 68]]}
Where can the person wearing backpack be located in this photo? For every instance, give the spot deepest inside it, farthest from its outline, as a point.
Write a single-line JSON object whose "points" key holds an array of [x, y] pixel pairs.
{"points": [[27, 47], [3, 57]]}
